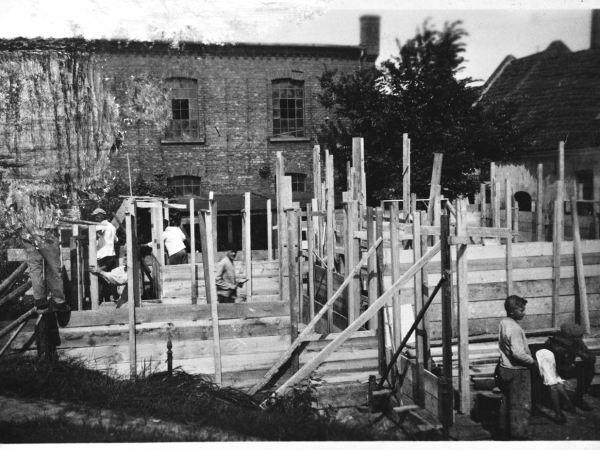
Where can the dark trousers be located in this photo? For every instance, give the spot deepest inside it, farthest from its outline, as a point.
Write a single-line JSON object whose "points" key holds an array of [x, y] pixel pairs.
{"points": [[515, 409], [179, 258], [45, 260], [224, 299]]}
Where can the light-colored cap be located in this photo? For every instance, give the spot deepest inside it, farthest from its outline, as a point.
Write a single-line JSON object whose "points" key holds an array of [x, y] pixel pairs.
{"points": [[98, 211]]}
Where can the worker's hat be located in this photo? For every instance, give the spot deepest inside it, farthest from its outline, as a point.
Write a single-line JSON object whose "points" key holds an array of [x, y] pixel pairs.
{"points": [[98, 211]]}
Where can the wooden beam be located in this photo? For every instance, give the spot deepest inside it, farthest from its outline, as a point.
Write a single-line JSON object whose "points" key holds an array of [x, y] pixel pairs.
{"points": [[381, 314], [292, 225], [509, 265], [330, 240], [579, 271], [133, 291], [462, 292], [496, 217], [482, 205], [596, 205], [359, 322], [446, 271], [539, 206], [93, 261], [560, 190], [78, 266], [371, 265], [269, 231], [317, 185], [248, 248], [418, 292], [405, 176], [194, 280], [310, 238], [205, 224], [556, 241], [395, 250], [13, 277], [426, 331]]}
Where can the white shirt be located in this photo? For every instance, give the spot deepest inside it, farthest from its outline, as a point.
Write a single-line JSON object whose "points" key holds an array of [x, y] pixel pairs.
{"points": [[107, 236], [174, 238]]}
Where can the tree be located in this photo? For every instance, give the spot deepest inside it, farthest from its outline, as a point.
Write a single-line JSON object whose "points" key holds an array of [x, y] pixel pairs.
{"points": [[417, 93]]}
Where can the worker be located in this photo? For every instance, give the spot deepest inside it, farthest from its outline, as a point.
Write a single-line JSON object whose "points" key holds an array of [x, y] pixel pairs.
{"points": [[226, 281], [116, 277], [514, 371], [556, 388], [175, 240], [106, 236]]}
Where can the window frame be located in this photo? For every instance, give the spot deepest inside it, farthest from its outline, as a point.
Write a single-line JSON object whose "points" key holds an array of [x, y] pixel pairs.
{"points": [[297, 178], [176, 129], [171, 180], [281, 88]]}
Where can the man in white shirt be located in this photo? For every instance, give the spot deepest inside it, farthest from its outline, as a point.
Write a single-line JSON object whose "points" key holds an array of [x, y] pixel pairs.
{"points": [[106, 236], [175, 243]]}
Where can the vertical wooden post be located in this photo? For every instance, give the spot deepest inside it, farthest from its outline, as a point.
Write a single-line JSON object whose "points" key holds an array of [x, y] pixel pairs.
{"points": [[418, 289], [317, 174], [248, 248], [539, 206], [293, 289], [371, 265], [330, 238], [560, 190], [493, 194], [482, 206], [556, 246], [405, 176], [269, 231], [462, 291], [213, 208], [194, 278], [310, 238], [133, 288], [381, 313], [284, 201], [508, 215], [446, 270], [208, 262], [437, 211], [160, 251], [78, 267], [351, 261], [496, 218], [300, 258], [579, 269], [93, 260], [515, 227], [596, 204], [426, 327], [395, 249]]}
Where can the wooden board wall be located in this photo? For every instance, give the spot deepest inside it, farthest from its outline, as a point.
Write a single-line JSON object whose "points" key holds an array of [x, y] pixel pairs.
{"points": [[177, 282], [532, 275], [253, 336]]}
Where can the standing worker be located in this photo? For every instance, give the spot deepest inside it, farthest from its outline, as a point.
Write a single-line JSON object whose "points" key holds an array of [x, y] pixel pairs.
{"points": [[226, 281], [106, 236], [514, 367], [175, 243]]}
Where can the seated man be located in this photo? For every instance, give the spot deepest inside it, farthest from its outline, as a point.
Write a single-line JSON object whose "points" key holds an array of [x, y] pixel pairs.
{"points": [[556, 388], [567, 345]]}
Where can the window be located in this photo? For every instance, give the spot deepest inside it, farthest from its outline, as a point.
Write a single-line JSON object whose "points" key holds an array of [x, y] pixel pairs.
{"points": [[523, 199], [298, 182], [184, 109], [288, 108], [185, 186]]}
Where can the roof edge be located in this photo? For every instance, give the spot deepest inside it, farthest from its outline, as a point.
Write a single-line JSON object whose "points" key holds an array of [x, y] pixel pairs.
{"points": [[495, 75]]}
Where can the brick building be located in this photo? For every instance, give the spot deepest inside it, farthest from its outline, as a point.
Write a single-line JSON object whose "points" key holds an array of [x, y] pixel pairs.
{"points": [[232, 107]]}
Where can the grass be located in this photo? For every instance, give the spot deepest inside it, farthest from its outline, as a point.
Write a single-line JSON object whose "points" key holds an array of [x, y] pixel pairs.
{"points": [[181, 398]]}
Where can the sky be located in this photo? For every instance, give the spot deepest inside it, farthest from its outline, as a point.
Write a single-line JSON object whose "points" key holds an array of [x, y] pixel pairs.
{"points": [[496, 28]]}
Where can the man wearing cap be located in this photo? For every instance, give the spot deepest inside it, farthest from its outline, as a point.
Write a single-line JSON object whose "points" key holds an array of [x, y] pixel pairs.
{"points": [[225, 280], [567, 345], [106, 236], [514, 368]]}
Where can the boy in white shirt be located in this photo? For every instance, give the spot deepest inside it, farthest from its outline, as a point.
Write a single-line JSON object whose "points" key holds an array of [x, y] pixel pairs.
{"points": [[175, 243], [106, 236]]}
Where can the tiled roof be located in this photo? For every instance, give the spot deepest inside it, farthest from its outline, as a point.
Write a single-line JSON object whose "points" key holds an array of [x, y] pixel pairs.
{"points": [[557, 93]]}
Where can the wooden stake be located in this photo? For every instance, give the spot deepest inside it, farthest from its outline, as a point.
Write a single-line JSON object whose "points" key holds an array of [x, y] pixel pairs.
{"points": [[482, 205], [509, 268], [418, 288], [194, 284], [560, 190], [556, 245], [462, 291], [269, 231], [446, 269], [596, 204], [425, 325], [248, 247], [78, 267], [93, 261], [395, 249], [133, 290], [371, 265], [283, 201], [539, 206], [359, 322], [579, 269], [405, 176], [293, 255], [330, 238], [208, 262], [310, 238], [6, 284], [496, 218], [381, 314]]}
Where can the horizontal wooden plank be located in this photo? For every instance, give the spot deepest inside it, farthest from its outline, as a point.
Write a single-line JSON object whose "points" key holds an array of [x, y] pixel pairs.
{"points": [[174, 313]]}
